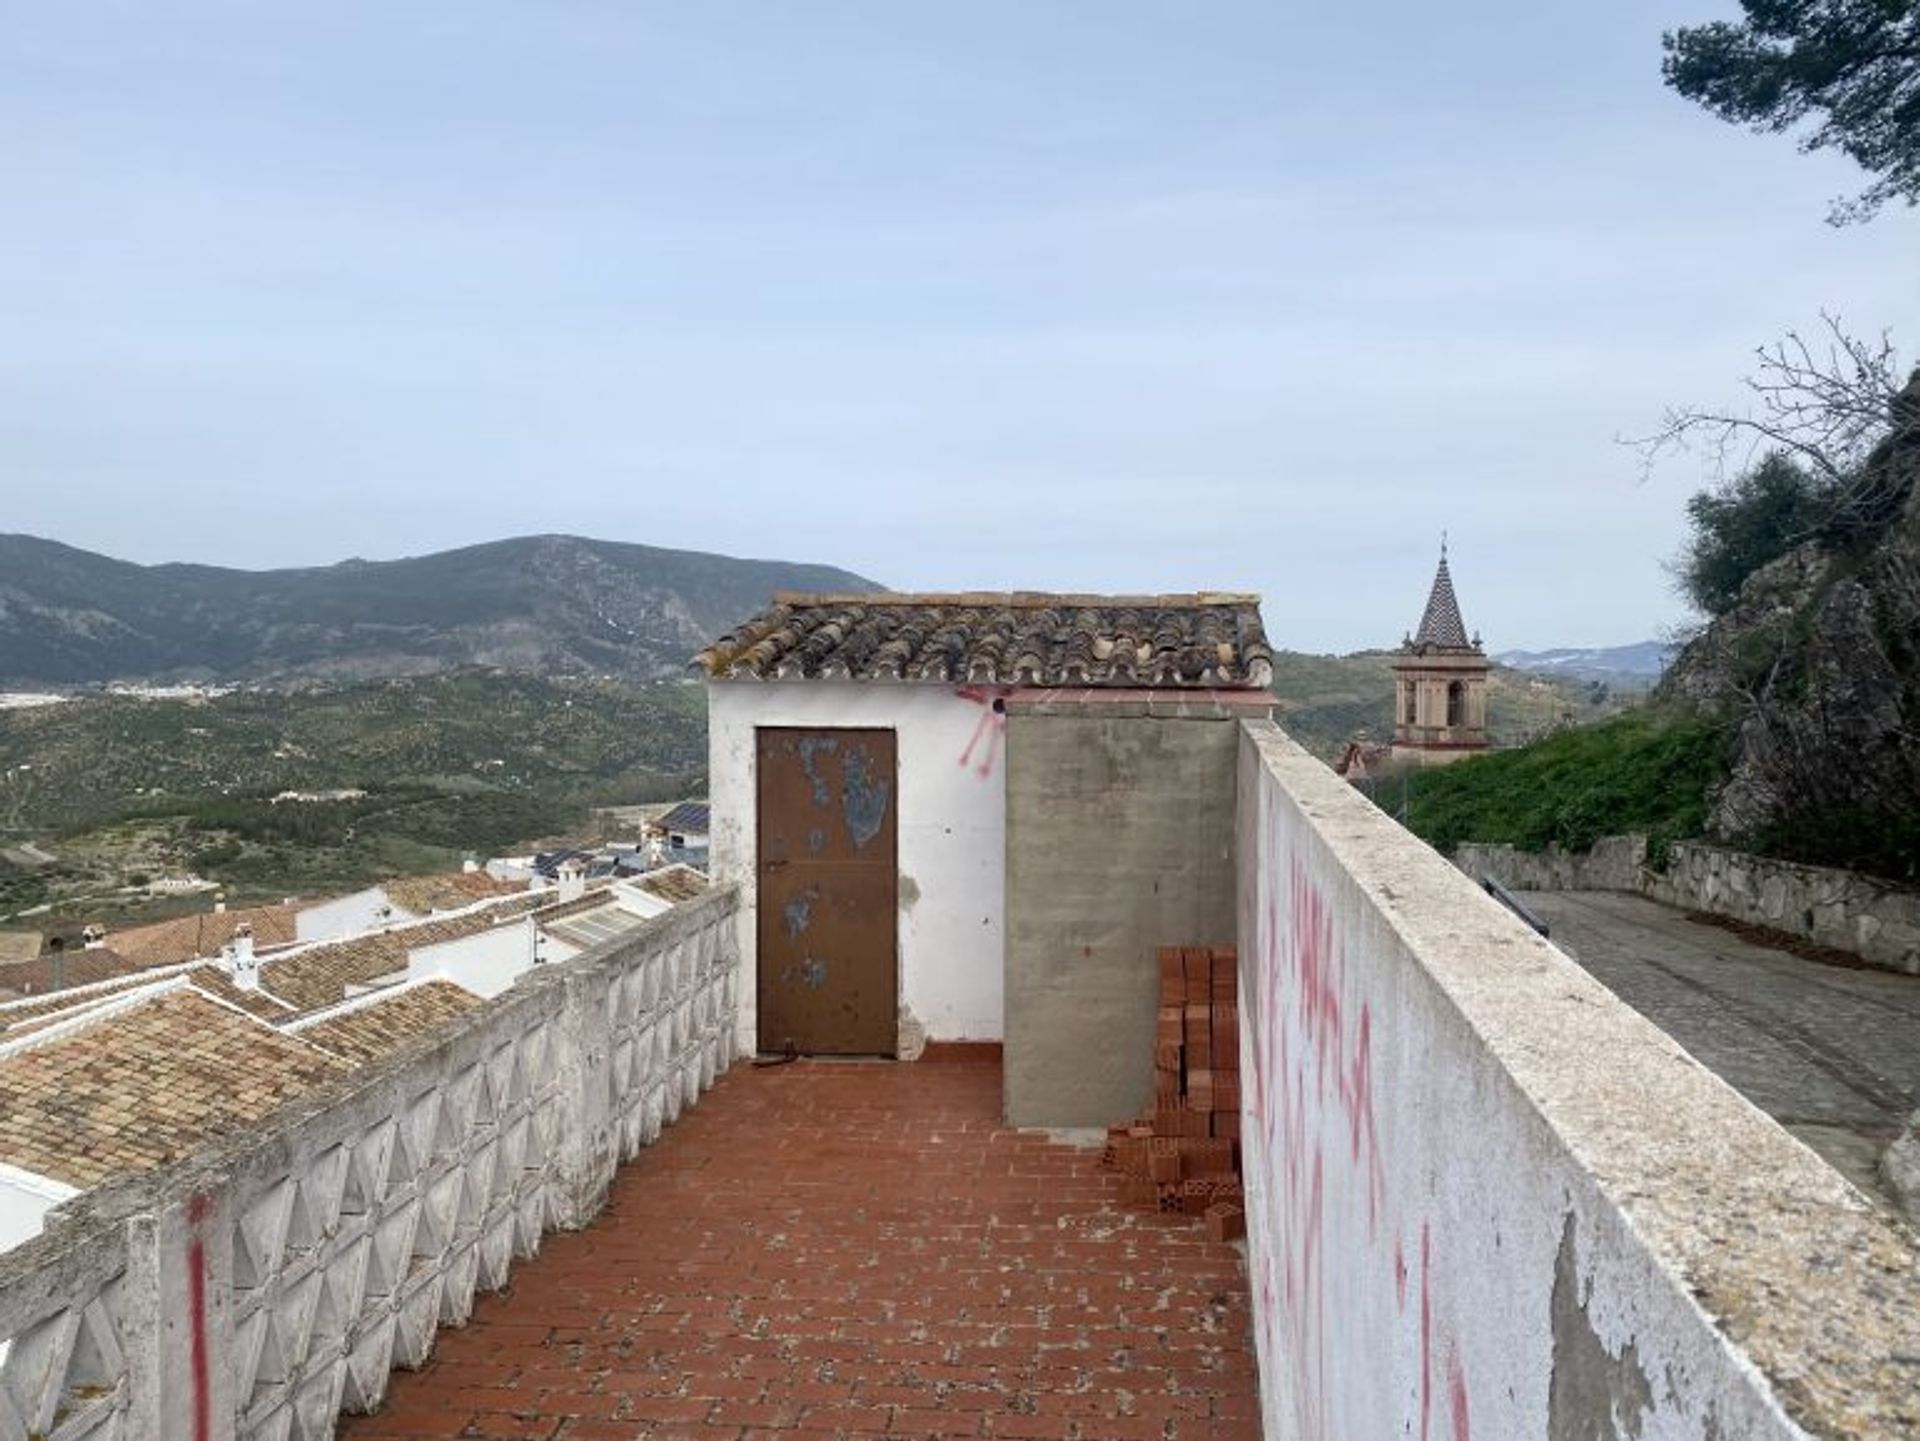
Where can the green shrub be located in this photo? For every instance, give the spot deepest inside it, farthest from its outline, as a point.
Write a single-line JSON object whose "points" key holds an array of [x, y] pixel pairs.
{"points": [[1643, 771]]}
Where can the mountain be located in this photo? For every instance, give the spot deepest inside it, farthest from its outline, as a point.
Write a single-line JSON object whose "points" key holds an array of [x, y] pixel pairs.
{"points": [[548, 604], [1631, 667]]}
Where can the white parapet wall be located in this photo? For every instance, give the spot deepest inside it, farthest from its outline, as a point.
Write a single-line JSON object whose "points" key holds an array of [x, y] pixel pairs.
{"points": [[261, 1287], [1486, 1199]]}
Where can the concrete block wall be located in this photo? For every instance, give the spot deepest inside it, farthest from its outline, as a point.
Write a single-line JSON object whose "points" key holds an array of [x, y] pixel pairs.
{"points": [[1119, 840], [1487, 1199], [264, 1285]]}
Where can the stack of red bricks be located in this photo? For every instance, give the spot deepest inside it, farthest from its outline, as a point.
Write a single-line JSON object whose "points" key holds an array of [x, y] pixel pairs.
{"points": [[1185, 1155]]}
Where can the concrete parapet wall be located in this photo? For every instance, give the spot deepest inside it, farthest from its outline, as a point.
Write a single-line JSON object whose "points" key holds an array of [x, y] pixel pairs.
{"points": [[1872, 919], [1488, 1199], [262, 1286]]}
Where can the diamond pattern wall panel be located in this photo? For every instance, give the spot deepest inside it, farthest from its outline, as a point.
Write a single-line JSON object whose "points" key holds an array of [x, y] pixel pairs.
{"points": [[64, 1377]]}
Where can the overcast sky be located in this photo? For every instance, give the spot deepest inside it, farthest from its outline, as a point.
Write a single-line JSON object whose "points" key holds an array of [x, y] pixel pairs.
{"points": [[1106, 296]]}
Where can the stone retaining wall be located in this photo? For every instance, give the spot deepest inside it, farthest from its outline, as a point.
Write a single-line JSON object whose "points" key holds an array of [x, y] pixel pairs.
{"points": [[1872, 919], [262, 1286], [1487, 1198]]}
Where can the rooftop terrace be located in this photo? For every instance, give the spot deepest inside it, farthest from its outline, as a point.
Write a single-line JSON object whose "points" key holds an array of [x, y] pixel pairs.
{"points": [[826, 1250], [1484, 1199]]}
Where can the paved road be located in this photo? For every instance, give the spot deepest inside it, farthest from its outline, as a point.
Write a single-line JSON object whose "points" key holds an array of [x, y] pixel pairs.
{"points": [[1832, 1054]]}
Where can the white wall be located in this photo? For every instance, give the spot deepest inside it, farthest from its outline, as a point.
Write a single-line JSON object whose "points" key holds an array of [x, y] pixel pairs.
{"points": [[347, 916], [1487, 1198], [25, 1199], [484, 963], [952, 828]]}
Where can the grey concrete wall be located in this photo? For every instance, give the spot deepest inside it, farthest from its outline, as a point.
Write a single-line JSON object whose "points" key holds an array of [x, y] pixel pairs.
{"points": [[1487, 1198], [1119, 841], [262, 1285]]}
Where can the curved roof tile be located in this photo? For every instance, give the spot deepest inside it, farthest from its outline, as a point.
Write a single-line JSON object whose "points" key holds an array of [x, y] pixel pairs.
{"points": [[1022, 638]]}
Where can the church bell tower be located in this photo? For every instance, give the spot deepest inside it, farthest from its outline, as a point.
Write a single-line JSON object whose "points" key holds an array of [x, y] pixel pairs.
{"points": [[1440, 695]]}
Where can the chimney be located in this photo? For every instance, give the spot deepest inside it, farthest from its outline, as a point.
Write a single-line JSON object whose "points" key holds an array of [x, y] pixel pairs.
{"points": [[241, 962], [219, 905], [573, 881], [93, 937]]}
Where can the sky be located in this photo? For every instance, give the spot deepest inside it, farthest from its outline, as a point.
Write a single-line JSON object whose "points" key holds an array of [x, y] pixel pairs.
{"points": [[1077, 296]]}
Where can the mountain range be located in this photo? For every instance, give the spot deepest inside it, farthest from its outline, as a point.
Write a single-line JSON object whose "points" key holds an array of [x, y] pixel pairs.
{"points": [[1635, 667], [547, 604]]}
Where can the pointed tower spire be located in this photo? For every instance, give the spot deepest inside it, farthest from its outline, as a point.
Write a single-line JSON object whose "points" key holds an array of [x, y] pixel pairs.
{"points": [[1441, 625]]}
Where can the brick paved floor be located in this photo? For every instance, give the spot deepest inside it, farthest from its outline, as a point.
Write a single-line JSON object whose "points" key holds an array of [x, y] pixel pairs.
{"points": [[823, 1250]]}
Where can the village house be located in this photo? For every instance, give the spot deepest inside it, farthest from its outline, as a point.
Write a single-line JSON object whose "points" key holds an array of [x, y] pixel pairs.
{"points": [[894, 777]]}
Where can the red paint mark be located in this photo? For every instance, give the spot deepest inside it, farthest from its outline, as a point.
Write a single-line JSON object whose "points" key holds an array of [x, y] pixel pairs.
{"points": [[197, 1210], [1426, 1328], [1313, 1114], [1457, 1394], [988, 730]]}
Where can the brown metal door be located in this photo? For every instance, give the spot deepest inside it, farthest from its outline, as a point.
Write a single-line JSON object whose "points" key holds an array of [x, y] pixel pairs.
{"points": [[829, 892]]}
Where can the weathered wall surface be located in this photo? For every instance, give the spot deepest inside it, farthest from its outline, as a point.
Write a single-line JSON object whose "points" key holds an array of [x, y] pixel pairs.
{"points": [[1612, 865], [1487, 1199], [1878, 922], [1119, 841], [952, 829], [258, 1288]]}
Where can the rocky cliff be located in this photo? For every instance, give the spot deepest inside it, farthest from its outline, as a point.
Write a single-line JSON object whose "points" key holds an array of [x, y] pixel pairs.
{"points": [[1816, 669]]}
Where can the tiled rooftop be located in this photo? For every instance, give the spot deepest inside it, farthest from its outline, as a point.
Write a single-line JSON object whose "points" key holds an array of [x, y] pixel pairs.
{"points": [[450, 892], [826, 1250], [364, 1029], [166, 943], [40, 974], [1015, 639], [170, 1073], [674, 884], [321, 975]]}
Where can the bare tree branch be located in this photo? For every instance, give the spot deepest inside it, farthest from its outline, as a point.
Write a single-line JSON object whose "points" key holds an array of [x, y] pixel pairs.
{"points": [[1830, 402]]}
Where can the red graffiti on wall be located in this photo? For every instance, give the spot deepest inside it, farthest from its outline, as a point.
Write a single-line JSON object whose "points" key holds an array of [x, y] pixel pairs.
{"points": [[991, 729], [197, 1351], [1314, 1112]]}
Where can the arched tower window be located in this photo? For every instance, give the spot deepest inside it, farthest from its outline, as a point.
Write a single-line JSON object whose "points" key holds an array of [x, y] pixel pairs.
{"points": [[1412, 705], [1456, 703]]}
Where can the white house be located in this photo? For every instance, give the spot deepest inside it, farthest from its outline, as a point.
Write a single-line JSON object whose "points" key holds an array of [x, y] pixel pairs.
{"points": [[858, 774]]}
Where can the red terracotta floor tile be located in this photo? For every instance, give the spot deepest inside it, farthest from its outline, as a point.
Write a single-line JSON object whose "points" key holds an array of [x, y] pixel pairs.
{"points": [[822, 1250]]}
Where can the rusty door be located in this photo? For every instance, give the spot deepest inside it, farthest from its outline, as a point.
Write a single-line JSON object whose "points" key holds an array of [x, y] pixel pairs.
{"points": [[829, 891]]}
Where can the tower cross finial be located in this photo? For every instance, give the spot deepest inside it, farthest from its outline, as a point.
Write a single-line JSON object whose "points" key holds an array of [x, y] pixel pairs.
{"points": [[1443, 545]]}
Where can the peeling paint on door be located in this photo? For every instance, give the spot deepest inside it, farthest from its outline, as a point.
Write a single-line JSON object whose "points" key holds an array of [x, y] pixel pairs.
{"points": [[828, 915], [863, 799]]}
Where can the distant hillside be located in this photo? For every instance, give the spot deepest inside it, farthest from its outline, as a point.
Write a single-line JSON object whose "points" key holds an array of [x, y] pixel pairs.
{"points": [[586, 740], [1327, 700], [551, 604], [118, 788], [1632, 667]]}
